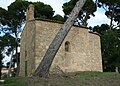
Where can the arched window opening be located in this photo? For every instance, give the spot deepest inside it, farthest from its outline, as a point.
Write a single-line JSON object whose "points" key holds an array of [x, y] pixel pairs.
{"points": [[28, 8], [25, 54], [67, 46]]}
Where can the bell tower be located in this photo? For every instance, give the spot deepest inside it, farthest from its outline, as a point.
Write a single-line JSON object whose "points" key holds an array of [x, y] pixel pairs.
{"points": [[30, 12]]}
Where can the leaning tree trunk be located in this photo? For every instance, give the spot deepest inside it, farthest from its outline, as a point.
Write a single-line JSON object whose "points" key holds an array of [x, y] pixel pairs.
{"points": [[44, 66]]}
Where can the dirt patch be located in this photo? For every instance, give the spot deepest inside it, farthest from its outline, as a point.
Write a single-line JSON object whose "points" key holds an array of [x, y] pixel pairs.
{"points": [[76, 80]]}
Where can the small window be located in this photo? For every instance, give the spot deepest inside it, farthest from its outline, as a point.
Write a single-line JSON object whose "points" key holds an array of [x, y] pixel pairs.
{"points": [[26, 63], [28, 8], [67, 46], [25, 53]]}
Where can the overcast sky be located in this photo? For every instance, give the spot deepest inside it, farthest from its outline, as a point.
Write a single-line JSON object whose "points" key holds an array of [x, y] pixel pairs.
{"points": [[99, 18]]}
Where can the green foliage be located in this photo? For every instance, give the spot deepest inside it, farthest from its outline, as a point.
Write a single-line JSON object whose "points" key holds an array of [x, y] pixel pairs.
{"points": [[111, 48], [100, 29], [112, 8], [58, 18], [8, 40], [72, 79], [14, 17], [17, 13], [43, 10], [15, 82], [110, 45], [92, 74], [109, 2], [11, 21], [88, 9], [3, 14], [1, 54]]}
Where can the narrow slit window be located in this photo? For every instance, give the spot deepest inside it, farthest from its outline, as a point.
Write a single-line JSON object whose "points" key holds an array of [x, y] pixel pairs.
{"points": [[67, 46], [25, 53], [26, 68]]}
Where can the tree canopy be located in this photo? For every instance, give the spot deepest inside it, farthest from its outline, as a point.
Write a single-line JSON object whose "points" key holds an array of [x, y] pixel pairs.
{"points": [[110, 34], [110, 46], [88, 9], [58, 17], [111, 49], [43, 10], [112, 8], [11, 21]]}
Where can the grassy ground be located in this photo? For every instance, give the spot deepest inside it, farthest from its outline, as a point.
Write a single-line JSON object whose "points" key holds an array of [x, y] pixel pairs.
{"points": [[15, 82], [71, 79]]}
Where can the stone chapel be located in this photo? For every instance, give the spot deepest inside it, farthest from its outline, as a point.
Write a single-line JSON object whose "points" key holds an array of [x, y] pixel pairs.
{"points": [[80, 51]]}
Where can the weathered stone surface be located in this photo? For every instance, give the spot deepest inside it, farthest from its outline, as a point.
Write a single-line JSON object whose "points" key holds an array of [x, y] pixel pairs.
{"points": [[28, 48], [30, 12], [84, 48]]}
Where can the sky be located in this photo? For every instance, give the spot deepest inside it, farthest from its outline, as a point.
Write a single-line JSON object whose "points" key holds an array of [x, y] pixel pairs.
{"points": [[99, 18]]}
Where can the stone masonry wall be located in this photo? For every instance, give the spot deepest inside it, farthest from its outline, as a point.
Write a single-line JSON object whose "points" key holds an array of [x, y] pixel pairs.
{"points": [[95, 52], [79, 57], [27, 50], [84, 52]]}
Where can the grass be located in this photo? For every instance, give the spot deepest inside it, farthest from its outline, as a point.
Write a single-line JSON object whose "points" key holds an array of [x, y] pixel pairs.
{"points": [[90, 74], [14, 82], [69, 79]]}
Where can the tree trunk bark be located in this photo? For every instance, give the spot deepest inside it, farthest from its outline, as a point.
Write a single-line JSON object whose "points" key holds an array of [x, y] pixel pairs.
{"points": [[111, 23], [0, 72], [0, 67], [17, 61], [44, 66], [9, 69], [17, 57], [111, 19]]}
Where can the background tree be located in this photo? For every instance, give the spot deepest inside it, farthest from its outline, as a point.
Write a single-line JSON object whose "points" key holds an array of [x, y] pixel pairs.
{"points": [[110, 36], [88, 9], [11, 21], [1, 55], [43, 10], [110, 45], [111, 49], [112, 8], [2, 11], [58, 17], [15, 19], [6, 46], [100, 29]]}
